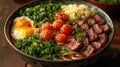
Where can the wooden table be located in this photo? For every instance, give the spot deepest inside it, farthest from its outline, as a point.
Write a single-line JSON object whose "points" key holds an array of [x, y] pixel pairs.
{"points": [[8, 57]]}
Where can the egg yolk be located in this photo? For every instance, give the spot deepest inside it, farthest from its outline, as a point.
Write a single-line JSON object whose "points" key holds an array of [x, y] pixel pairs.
{"points": [[26, 31], [22, 22]]}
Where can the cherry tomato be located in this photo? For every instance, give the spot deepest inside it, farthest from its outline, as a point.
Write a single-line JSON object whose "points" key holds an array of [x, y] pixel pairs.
{"points": [[46, 34], [47, 26], [62, 16], [61, 38], [66, 29], [57, 24]]}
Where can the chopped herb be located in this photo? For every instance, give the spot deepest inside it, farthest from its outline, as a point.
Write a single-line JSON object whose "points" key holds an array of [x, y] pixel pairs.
{"points": [[79, 37], [76, 15], [71, 23], [90, 24], [77, 30], [66, 50], [35, 46], [41, 13]]}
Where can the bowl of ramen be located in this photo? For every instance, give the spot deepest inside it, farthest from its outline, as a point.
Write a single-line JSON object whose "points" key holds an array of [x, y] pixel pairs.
{"points": [[59, 34]]}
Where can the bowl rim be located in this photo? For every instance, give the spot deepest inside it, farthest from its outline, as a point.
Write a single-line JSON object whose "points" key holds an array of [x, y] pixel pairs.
{"points": [[40, 59]]}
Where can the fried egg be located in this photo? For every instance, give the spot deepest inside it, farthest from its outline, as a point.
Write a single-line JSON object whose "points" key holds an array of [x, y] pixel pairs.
{"points": [[22, 26]]}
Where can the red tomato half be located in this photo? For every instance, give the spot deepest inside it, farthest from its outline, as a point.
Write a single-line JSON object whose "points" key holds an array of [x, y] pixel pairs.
{"points": [[66, 29], [62, 16], [47, 26], [46, 34], [61, 38], [57, 24]]}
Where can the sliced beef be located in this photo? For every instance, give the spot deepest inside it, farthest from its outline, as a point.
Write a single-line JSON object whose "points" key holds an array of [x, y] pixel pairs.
{"points": [[96, 45], [73, 44], [97, 28], [84, 27], [92, 35], [89, 50], [103, 38], [99, 20], [105, 28], [80, 22], [86, 42]]}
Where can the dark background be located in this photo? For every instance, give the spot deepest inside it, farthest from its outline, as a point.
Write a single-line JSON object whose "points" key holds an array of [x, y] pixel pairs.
{"points": [[8, 57]]}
